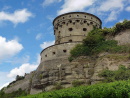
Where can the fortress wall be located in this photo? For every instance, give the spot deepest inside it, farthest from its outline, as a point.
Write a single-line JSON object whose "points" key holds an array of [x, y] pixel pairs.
{"points": [[71, 24], [123, 37], [57, 51], [73, 38]]}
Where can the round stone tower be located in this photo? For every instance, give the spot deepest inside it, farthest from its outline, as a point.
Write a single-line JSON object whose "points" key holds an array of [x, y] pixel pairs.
{"points": [[73, 27], [69, 29]]}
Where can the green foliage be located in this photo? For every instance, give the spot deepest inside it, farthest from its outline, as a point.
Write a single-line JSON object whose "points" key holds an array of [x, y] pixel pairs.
{"points": [[118, 89], [14, 94], [122, 73], [19, 77], [95, 42], [76, 83], [57, 86], [117, 28]]}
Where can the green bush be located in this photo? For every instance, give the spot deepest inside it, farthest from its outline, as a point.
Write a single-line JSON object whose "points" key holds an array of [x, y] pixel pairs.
{"points": [[96, 43], [76, 83], [122, 73], [14, 94], [118, 89]]}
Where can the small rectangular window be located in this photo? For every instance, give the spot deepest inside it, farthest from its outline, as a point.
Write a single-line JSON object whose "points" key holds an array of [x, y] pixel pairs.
{"points": [[64, 51]]}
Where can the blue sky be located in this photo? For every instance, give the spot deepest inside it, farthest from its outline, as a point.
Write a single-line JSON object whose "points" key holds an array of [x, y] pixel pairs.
{"points": [[26, 28]]}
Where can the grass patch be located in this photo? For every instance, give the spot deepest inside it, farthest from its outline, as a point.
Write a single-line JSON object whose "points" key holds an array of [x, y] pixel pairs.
{"points": [[118, 89], [122, 73]]}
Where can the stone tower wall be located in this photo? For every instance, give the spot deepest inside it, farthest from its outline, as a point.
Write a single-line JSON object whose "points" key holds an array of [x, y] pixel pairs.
{"points": [[74, 26], [57, 51], [69, 29]]}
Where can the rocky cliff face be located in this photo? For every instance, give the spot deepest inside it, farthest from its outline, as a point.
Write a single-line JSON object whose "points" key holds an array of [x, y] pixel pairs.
{"points": [[84, 69]]}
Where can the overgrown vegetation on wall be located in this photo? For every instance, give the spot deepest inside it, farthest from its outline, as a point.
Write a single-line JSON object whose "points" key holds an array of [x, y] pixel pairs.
{"points": [[122, 73], [14, 94], [118, 89], [96, 42]]}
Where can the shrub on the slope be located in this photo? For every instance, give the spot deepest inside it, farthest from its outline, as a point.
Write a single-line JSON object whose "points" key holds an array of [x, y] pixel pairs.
{"points": [[95, 42], [118, 89], [122, 73]]}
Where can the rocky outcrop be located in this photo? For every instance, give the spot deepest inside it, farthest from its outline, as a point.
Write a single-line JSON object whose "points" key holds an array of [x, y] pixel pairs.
{"points": [[84, 69]]}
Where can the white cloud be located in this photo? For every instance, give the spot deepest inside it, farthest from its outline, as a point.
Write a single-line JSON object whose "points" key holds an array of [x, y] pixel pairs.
{"points": [[7, 77], [19, 16], [75, 5], [38, 36], [4, 85], [24, 68], [9, 48], [47, 44], [48, 2], [110, 5], [112, 16], [128, 9]]}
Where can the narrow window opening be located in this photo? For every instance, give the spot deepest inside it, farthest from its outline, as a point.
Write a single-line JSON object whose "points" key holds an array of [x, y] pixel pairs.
{"points": [[77, 15], [74, 23], [88, 24], [84, 29], [70, 21], [85, 16], [77, 20], [91, 18], [53, 53], [70, 29], [46, 55], [63, 22], [70, 40], [63, 17], [64, 51], [70, 16], [85, 21], [91, 22]]}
